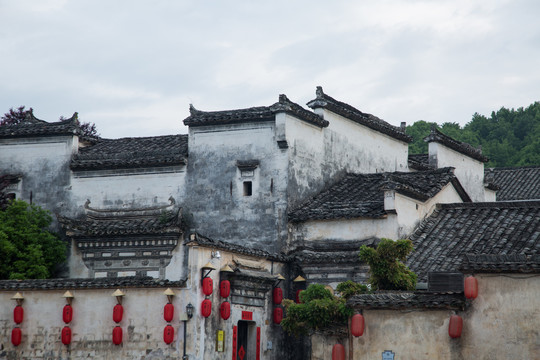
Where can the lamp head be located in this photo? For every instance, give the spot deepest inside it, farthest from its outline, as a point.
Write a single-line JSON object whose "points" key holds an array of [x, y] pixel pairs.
{"points": [[69, 297], [170, 294], [189, 310], [18, 298], [118, 294]]}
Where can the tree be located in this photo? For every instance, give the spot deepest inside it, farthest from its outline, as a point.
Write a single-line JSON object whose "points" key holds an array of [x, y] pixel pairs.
{"points": [[28, 250], [349, 288], [387, 271], [89, 129], [14, 117], [318, 309], [508, 136]]}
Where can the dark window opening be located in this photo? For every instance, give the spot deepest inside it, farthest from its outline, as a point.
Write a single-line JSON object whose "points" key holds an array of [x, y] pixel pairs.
{"points": [[248, 189]]}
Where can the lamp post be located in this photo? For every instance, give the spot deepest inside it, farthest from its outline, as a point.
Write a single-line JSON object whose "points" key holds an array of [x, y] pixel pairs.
{"points": [[188, 315]]}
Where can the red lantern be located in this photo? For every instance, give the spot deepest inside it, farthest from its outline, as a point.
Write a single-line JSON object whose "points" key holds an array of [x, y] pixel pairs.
{"points": [[168, 334], [277, 295], [225, 310], [471, 287], [118, 313], [66, 335], [206, 308], [18, 314], [278, 315], [168, 312], [298, 301], [117, 335], [357, 325], [225, 288], [455, 326], [16, 336], [338, 352], [207, 286], [67, 314]]}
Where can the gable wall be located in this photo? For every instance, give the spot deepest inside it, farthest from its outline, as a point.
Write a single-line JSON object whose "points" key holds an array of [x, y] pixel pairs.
{"points": [[44, 165], [317, 155], [345, 229], [470, 172], [128, 189], [410, 211], [214, 186]]}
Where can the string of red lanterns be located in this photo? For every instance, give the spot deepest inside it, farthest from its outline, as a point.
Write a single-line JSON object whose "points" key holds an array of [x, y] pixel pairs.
{"points": [[118, 314], [168, 315], [18, 317], [67, 316]]}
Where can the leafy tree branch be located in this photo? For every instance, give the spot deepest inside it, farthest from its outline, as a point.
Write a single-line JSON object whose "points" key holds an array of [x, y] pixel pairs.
{"points": [[387, 270], [28, 250]]}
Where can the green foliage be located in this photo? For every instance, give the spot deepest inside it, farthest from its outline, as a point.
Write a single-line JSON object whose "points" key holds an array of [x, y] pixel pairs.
{"points": [[386, 265], [27, 249], [349, 288], [166, 216], [319, 309], [508, 137]]}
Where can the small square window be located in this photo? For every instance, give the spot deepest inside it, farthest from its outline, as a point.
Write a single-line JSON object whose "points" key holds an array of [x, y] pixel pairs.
{"points": [[248, 189]]}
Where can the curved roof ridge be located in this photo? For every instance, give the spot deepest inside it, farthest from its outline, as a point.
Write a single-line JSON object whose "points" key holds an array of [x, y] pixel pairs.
{"points": [[32, 126], [371, 121], [257, 113]]}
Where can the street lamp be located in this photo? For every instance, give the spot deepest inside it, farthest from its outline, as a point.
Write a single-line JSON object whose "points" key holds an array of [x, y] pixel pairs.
{"points": [[185, 318]]}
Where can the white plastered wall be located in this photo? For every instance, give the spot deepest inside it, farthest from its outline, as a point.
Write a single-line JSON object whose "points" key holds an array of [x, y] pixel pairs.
{"points": [[394, 226], [470, 172], [135, 189], [500, 324]]}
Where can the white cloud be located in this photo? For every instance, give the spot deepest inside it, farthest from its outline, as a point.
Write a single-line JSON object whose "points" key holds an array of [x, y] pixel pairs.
{"points": [[134, 62]]}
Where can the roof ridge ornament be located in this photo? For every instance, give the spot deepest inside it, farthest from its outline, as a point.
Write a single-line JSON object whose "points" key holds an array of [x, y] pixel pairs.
{"points": [[193, 110], [319, 93], [283, 99]]}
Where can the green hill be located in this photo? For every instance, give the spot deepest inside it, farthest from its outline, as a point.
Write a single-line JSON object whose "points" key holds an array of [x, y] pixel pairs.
{"points": [[508, 137]]}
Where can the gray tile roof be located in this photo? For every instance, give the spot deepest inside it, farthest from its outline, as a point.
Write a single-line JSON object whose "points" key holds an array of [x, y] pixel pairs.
{"points": [[133, 153], [519, 183], [458, 146], [200, 240], [254, 114], [408, 300], [453, 230], [33, 126], [331, 251], [419, 162], [362, 195], [100, 283], [324, 101], [121, 226], [496, 263]]}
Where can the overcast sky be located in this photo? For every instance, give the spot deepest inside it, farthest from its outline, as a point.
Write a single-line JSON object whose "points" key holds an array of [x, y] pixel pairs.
{"points": [[133, 67]]}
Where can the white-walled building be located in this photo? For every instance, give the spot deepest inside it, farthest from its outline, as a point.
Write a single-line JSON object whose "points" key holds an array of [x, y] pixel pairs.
{"points": [[252, 193]]}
